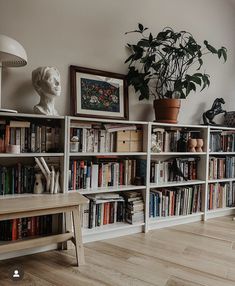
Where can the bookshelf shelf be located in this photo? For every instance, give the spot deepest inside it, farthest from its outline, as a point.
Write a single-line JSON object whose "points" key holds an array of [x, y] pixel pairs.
{"points": [[221, 180], [218, 210], [180, 217], [107, 154], [178, 154], [157, 223], [8, 155], [221, 153], [110, 227], [176, 184], [110, 189]]}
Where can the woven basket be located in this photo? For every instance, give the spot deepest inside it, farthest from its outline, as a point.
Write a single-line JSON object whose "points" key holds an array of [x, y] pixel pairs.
{"points": [[229, 119]]}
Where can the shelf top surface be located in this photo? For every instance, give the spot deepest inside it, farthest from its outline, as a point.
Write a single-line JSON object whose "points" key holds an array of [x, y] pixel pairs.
{"points": [[29, 115], [155, 124], [107, 120]]}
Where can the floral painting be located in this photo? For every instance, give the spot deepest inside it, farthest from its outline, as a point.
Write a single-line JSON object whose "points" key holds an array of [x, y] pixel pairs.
{"points": [[100, 94]]}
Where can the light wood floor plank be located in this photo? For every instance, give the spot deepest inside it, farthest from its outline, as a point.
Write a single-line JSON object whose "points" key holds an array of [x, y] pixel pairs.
{"points": [[196, 254]]}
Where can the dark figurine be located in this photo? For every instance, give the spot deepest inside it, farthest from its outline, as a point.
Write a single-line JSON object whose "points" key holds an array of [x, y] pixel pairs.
{"points": [[182, 142], [176, 172], [216, 109]]}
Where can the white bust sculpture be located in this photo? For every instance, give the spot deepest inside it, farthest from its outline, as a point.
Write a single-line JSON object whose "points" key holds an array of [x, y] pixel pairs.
{"points": [[46, 81]]}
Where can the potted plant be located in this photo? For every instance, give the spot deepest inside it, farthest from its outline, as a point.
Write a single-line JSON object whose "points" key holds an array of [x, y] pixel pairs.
{"points": [[164, 67]]}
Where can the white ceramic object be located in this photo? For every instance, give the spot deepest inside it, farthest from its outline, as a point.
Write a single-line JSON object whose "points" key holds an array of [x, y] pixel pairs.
{"points": [[38, 186]]}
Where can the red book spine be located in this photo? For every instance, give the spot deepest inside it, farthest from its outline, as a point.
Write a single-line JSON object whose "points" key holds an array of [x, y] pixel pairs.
{"points": [[74, 174], [14, 229], [105, 213]]}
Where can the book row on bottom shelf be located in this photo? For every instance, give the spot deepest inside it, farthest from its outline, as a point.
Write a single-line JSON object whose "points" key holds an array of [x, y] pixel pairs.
{"points": [[15, 229], [175, 201], [21, 178], [221, 195], [101, 172], [104, 209], [221, 167]]}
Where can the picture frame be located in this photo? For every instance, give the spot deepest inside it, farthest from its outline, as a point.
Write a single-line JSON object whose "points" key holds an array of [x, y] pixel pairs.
{"points": [[98, 94]]}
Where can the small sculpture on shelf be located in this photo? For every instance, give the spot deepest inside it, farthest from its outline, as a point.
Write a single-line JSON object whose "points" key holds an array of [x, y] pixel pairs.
{"points": [[38, 185], [176, 172], [192, 144], [199, 145], [182, 142], [156, 145], [216, 109], [46, 81]]}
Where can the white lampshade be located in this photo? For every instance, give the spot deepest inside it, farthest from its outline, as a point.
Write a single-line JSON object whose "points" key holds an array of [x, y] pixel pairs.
{"points": [[12, 53]]}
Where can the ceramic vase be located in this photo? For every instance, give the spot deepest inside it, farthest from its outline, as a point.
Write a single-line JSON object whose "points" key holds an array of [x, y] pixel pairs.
{"points": [[38, 186], [192, 143], [199, 145]]}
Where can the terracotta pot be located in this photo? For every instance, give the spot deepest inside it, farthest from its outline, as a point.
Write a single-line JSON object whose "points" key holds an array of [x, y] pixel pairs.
{"points": [[166, 110]]}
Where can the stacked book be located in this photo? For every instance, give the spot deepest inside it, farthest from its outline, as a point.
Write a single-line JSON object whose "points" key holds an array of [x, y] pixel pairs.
{"points": [[175, 201], [163, 171], [86, 174], [24, 227], [31, 137], [221, 167], [103, 209], [221, 195], [134, 206], [222, 141]]}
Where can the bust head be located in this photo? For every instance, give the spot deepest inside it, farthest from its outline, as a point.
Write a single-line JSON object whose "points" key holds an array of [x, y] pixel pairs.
{"points": [[46, 81]]}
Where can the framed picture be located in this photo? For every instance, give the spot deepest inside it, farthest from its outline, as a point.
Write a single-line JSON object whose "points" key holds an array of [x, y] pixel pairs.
{"points": [[96, 93]]}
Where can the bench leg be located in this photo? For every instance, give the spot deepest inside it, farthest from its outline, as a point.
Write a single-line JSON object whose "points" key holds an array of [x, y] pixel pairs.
{"points": [[78, 237]]}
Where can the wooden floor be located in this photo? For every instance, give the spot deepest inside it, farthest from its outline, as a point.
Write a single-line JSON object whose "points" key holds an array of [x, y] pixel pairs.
{"points": [[193, 254]]}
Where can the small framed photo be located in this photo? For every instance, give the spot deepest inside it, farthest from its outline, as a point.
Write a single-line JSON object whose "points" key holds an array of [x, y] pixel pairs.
{"points": [[96, 93]]}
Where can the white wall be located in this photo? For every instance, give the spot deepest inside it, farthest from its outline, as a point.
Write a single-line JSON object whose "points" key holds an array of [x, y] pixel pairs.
{"points": [[91, 34]]}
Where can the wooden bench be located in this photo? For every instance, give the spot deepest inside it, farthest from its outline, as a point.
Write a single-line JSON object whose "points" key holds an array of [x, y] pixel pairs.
{"points": [[37, 205]]}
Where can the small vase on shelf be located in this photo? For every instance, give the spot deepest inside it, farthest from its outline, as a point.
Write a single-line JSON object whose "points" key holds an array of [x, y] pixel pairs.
{"points": [[199, 145], [38, 186], [192, 143]]}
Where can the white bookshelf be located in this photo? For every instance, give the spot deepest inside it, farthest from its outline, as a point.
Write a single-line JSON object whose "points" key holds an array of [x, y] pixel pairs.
{"points": [[118, 229]]}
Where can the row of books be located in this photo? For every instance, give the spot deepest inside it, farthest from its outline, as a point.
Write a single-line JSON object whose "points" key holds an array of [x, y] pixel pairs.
{"points": [[24, 227], [29, 136], [221, 195], [16, 179], [222, 141], [96, 137], [86, 174], [93, 140], [104, 209], [166, 171], [175, 201], [221, 167], [172, 140]]}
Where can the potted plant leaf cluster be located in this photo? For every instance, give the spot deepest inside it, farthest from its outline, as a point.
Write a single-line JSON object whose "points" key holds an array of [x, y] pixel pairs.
{"points": [[168, 67]]}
